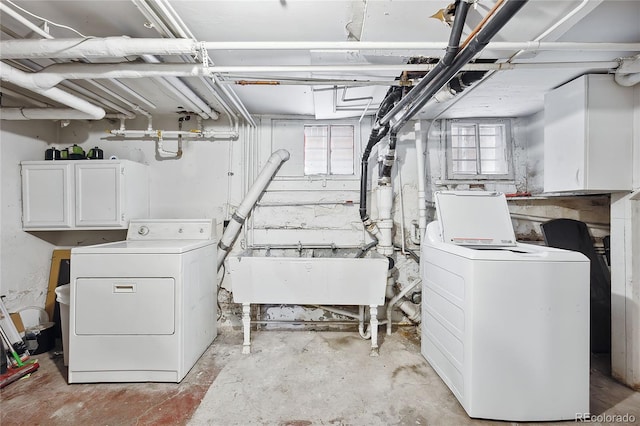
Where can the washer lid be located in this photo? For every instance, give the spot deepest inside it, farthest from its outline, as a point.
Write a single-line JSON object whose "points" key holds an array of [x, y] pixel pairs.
{"points": [[475, 218]]}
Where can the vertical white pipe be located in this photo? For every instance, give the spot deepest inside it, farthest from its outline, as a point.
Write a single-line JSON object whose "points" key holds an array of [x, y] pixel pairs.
{"points": [[384, 222], [420, 150]]}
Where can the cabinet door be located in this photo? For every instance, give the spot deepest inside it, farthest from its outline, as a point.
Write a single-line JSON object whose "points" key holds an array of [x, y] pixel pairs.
{"points": [[47, 196], [565, 137], [98, 192]]}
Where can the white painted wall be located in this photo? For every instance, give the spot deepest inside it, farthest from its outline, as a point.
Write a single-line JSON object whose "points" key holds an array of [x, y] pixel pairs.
{"points": [[24, 258], [625, 274]]}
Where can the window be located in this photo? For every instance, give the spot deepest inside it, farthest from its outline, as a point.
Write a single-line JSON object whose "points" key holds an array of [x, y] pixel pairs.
{"points": [[479, 149], [328, 150]]}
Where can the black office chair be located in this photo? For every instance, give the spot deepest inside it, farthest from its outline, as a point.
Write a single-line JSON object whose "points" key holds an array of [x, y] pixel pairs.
{"points": [[574, 235]]}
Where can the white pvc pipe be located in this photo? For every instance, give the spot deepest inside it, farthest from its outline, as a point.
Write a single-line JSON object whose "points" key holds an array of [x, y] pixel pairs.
{"points": [[420, 150], [182, 91], [399, 45], [202, 134], [92, 95], [85, 48], [266, 69], [395, 300], [22, 97], [250, 199], [627, 79], [22, 79], [30, 25], [43, 114]]}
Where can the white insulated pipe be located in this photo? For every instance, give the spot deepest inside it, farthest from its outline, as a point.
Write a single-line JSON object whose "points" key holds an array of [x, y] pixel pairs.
{"points": [[86, 48], [23, 79], [237, 220], [627, 80], [55, 74], [118, 47]]}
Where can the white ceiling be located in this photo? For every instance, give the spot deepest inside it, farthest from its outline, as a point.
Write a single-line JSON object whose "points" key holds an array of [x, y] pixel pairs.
{"points": [[505, 93]]}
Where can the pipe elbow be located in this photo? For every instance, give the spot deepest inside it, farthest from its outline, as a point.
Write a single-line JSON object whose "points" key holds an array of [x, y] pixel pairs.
{"points": [[283, 154]]}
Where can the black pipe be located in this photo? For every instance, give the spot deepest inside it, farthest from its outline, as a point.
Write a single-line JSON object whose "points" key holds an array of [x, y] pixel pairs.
{"points": [[478, 43], [393, 95], [452, 49], [388, 105], [390, 158]]}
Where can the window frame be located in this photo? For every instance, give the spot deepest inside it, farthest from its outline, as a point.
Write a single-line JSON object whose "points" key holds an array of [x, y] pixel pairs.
{"points": [[328, 150], [507, 123]]}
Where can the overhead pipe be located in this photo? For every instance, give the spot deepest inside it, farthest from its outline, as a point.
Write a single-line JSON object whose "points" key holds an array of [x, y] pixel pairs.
{"points": [[88, 48], [122, 46], [177, 28], [22, 79], [237, 220], [444, 95], [54, 74], [390, 104], [628, 74], [16, 95], [418, 45], [49, 113], [443, 64], [184, 92], [477, 44], [36, 29], [627, 79]]}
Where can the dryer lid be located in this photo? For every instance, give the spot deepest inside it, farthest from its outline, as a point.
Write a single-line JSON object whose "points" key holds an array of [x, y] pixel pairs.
{"points": [[474, 218]]}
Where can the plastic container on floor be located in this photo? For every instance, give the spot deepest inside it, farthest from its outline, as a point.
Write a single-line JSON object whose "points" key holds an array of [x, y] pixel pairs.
{"points": [[63, 296]]}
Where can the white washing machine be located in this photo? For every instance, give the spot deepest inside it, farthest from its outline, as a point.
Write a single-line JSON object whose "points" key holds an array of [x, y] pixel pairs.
{"points": [[504, 324], [143, 309]]}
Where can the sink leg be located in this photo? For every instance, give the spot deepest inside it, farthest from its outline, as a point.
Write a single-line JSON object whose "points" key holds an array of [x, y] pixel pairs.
{"points": [[246, 326], [373, 313]]}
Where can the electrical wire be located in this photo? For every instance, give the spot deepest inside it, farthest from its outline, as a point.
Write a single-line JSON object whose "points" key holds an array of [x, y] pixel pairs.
{"points": [[46, 20]]}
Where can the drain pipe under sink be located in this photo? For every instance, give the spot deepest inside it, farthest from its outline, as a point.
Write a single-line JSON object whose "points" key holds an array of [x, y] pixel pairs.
{"points": [[410, 309], [237, 220]]}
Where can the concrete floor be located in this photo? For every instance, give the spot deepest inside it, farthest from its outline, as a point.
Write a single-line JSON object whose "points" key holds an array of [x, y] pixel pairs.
{"points": [[291, 378]]}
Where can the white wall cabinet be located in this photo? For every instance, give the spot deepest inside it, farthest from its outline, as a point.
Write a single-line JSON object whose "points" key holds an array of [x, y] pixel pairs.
{"points": [[90, 194], [588, 136]]}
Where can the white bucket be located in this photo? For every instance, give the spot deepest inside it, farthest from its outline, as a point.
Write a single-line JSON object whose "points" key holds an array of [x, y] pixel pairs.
{"points": [[63, 296]]}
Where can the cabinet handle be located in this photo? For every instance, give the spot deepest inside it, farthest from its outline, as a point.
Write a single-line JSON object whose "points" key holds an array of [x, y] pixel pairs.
{"points": [[124, 288]]}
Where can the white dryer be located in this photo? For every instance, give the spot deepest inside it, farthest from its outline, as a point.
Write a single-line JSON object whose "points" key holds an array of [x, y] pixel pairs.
{"points": [[143, 309], [504, 324]]}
